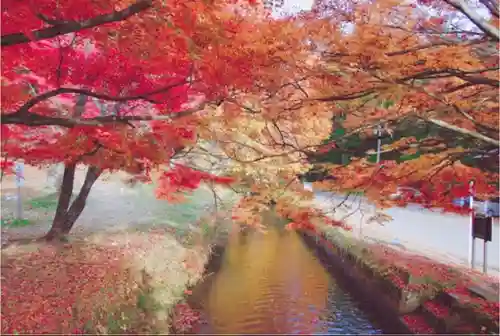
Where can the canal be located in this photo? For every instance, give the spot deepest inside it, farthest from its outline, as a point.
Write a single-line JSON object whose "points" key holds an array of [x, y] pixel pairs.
{"points": [[272, 283]]}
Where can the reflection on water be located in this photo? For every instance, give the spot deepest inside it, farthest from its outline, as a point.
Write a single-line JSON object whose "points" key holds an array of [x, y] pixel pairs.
{"points": [[271, 283]]}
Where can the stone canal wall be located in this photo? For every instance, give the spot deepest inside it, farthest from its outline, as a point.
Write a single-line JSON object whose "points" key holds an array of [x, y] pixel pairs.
{"points": [[408, 296]]}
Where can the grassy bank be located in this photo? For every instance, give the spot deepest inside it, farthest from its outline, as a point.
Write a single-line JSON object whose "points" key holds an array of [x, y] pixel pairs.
{"points": [[429, 296], [124, 281]]}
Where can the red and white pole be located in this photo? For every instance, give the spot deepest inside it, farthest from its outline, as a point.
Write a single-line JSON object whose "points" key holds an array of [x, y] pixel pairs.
{"points": [[471, 229]]}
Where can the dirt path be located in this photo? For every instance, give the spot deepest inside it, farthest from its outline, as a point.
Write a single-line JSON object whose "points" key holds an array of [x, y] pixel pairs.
{"points": [[112, 205]]}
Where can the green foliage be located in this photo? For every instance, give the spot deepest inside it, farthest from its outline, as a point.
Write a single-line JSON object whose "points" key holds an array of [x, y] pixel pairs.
{"points": [[387, 104], [44, 202], [15, 223], [407, 157], [355, 146]]}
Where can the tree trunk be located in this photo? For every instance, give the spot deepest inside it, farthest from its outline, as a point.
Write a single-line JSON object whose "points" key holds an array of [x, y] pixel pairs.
{"points": [[66, 191], [67, 215]]}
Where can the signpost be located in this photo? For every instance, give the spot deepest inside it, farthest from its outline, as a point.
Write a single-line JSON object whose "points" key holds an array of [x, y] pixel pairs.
{"points": [[471, 227], [19, 170], [483, 230], [480, 227]]}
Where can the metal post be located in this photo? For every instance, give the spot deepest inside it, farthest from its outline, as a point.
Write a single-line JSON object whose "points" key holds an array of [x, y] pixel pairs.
{"points": [[485, 256], [379, 131], [471, 226]]}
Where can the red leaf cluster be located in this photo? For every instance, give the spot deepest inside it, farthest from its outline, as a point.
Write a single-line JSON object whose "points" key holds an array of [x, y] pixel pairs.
{"points": [[181, 178]]}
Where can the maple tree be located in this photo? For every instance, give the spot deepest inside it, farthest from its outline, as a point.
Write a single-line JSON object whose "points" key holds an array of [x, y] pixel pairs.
{"points": [[145, 86], [422, 62], [189, 85]]}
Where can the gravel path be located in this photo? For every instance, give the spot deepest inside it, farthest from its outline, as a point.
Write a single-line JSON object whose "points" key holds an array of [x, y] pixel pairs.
{"points": [[111, 205]]}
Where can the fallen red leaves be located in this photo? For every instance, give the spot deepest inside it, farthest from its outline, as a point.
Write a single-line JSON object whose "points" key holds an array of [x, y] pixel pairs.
{"points": [[57, 288], [417, 324], [184, 317], [437, 309]]}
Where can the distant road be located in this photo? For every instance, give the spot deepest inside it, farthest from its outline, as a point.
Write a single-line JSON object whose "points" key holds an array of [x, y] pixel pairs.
{"points": [[441, 236]]}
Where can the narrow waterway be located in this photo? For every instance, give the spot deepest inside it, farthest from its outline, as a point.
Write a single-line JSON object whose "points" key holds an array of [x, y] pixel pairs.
{"points": [[272, 283]]}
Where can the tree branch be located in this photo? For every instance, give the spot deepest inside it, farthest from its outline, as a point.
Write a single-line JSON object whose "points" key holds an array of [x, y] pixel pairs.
{"points": [[464, 75], [24, 110], [349, 96], [61, 28], [473, 134], [33, 119], [433, 45], [485, 27], [492, 6]]}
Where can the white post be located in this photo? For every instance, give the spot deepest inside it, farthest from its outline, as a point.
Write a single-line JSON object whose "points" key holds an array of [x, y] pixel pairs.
{"points": [[19, 169], [485, 256], [361, 227], [471, 227]]}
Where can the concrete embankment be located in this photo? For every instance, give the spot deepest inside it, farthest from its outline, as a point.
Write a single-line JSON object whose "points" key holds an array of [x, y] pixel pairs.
{"points": [[410, 293]]}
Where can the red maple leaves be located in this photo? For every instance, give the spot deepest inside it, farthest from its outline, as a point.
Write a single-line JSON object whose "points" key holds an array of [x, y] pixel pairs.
{"points": [[184, 179]]}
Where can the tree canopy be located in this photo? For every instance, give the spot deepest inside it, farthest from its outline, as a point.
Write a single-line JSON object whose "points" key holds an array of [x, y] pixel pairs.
{"points": [[184, 86], [395, 63]]}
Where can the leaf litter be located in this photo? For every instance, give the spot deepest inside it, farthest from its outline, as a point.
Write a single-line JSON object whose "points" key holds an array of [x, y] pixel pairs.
{"points": [[97, 285]]}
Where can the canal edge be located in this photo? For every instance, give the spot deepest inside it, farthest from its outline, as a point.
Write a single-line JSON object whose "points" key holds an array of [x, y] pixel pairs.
{"points": [[393, 300], [189, 299]]}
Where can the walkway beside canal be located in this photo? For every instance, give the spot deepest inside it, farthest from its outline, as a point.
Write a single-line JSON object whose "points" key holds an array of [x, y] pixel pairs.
{"points": [[443, 237]]}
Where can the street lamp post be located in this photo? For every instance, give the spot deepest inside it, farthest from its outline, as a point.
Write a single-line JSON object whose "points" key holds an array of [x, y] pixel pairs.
{"points": [[378, 134]]}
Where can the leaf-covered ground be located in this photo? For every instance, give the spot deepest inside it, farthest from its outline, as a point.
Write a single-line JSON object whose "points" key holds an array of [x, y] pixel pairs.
{"points": [[125, 282], [128, 262]]}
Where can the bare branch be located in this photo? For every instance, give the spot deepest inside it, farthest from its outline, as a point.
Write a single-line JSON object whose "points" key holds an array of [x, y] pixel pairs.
{"points": [[485, 27], [492, 6], [473, 134]]}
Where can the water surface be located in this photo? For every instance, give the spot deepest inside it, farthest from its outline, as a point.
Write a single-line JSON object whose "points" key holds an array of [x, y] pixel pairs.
{"points": [[272, 283]]}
